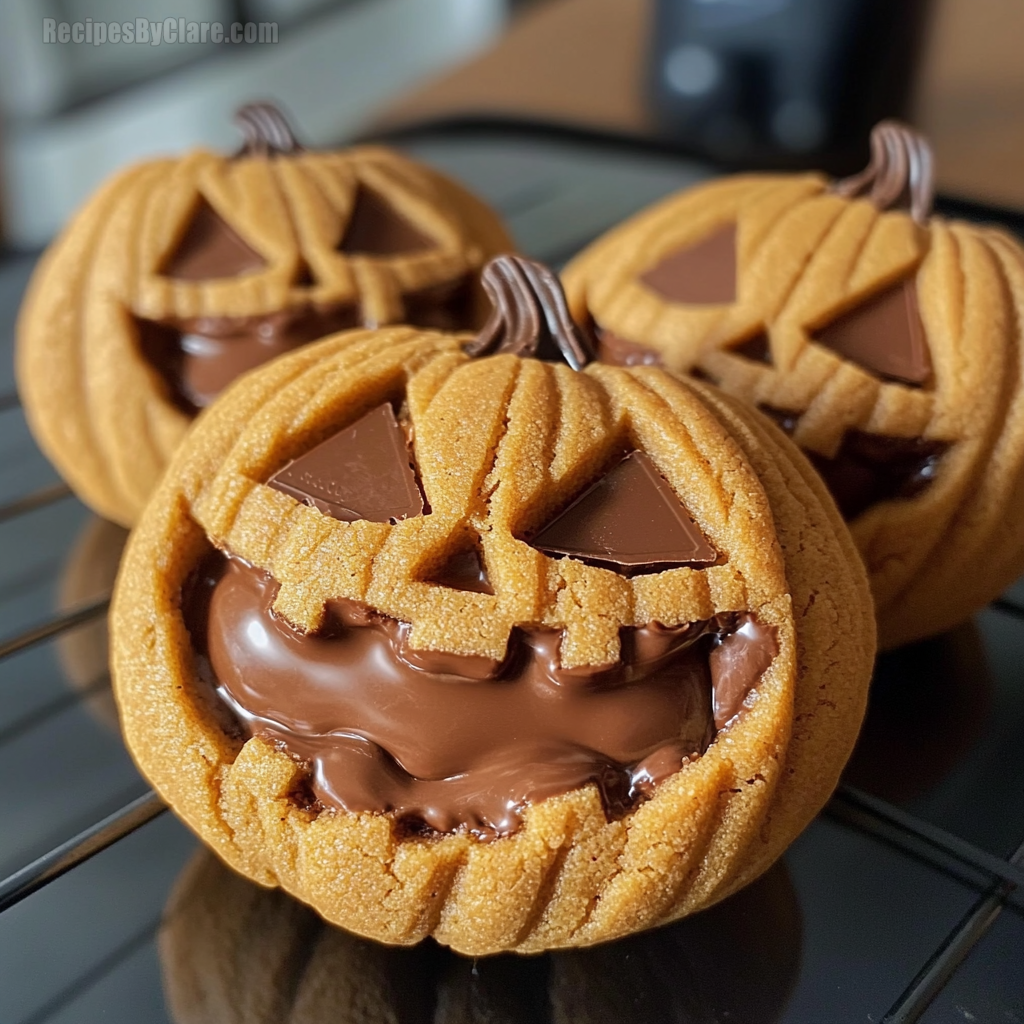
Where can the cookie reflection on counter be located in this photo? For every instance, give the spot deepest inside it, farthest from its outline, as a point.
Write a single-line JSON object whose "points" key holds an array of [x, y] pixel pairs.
{"points": [[234, 953], [927, 708], [88, 576]]}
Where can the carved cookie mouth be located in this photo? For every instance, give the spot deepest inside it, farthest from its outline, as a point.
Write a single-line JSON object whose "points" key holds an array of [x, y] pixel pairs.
{"points": [[199, 357], [871, 468], [867, 468], [449, 742]]}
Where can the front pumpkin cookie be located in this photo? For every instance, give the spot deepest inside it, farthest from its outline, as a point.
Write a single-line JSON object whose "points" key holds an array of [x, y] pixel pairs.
{"points": [[447, 640], [180, 274], [886, 341]]}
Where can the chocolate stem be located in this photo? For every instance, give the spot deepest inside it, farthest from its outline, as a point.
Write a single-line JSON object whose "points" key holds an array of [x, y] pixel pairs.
{"points": [[529, 309], [901, 168], [266, 130]]}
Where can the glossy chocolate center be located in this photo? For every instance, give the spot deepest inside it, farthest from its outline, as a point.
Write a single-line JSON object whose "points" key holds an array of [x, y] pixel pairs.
{"points": [[869, 468], [200, 356], [448, 742]]}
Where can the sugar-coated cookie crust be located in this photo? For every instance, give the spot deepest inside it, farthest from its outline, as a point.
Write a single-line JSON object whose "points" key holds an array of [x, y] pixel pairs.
{"points": [[500, 442], [804, 256], [98, 409]]}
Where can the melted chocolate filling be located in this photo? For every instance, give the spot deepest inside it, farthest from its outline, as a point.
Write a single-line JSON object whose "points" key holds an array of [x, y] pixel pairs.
{"points": [[446, 742], [869, 468], [200, 356], [619, 352]]}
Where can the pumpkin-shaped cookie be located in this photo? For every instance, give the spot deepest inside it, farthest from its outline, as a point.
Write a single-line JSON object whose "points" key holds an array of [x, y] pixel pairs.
{"points": [[886, 341], [444, 639], [180, 274]]}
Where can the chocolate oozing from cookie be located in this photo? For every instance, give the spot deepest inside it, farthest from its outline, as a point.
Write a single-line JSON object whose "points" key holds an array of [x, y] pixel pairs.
{"points": [[631, 521], [464, 571], [198, 357], [448, 742], [884, 335], [869, 468], [364, 471], [447, 306], [618, 351], [703, 274]]}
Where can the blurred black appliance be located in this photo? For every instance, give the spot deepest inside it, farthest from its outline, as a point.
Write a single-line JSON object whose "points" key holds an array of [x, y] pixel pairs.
{"points": [[782, 83]]}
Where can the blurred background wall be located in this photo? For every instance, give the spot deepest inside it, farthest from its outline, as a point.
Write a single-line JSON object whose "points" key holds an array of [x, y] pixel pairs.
{"points": [[72, 113]]}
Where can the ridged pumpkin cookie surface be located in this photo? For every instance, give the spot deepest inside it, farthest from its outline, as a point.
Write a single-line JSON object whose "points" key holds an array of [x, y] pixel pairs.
{"points": [[502, 446], [886, 341], [180, 274]]}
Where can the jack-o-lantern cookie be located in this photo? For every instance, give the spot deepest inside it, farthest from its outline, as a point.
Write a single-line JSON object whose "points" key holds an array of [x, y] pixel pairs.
{"points": [[444, 639], [887, 342], [180, 274]]}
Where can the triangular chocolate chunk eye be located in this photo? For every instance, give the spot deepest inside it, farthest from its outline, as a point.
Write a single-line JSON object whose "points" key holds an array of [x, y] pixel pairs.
{"points": [[303, 276], [210, 248], [703, 274], [362, 472], [462, 571], [630, 521], [884, 335], [756, 349], [375, 229]]}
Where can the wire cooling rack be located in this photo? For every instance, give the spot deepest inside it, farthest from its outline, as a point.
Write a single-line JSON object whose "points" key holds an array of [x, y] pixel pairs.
{"points": [[910, 885]]}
